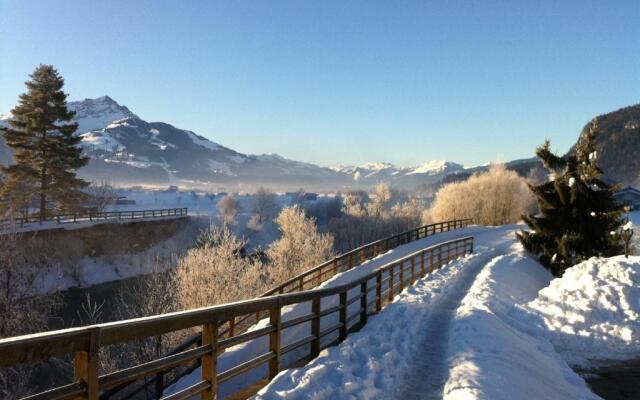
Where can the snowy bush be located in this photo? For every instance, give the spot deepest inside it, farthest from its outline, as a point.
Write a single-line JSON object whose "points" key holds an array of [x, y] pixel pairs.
{"points": [[214, 271], [496, 197], [20, 311], [300, 247], [228, 208], [366, 219], [264, 204]]}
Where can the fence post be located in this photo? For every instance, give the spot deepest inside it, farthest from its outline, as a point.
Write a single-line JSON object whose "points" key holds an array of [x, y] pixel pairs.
{"points": [[413, 270], [85, 365], [379, 291], [401, 276], [209, 361], [301, 283], [315, 327], [422, 269], [275, 319], [363, 303], [343, 316], [390, 292], [232, 326]]}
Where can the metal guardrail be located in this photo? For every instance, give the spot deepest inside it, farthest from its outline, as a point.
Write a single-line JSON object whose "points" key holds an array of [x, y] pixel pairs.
{"points": [[369, 294]]}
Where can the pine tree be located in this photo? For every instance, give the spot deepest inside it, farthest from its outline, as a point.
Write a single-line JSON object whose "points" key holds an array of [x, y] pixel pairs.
{"points": [[577, 209], [45, 151]]}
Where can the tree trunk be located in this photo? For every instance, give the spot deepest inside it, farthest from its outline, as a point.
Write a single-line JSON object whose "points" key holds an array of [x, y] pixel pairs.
{"points": [[43, 196]]}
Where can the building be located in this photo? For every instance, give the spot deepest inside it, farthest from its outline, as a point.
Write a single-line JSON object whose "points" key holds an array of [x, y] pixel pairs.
{"points": [[628, 197]]}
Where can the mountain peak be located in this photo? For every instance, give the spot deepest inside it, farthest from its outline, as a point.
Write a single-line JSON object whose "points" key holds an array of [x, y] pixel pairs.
{"points": [[435, 167], [97, 113]]}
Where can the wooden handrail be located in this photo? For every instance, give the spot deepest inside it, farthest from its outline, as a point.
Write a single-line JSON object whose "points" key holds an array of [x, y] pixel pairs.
{"points": [[343, 261], [97, 216], [85, 342]]}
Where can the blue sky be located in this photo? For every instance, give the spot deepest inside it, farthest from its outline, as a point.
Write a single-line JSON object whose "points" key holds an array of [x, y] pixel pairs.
{"points": [[341, 82]]}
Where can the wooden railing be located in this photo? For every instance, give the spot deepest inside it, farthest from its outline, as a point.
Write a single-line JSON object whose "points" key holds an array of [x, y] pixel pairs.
{"points": [[96, 216], [351, 303], [306, 280]]}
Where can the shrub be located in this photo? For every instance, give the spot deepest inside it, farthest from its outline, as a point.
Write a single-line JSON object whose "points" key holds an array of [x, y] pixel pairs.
{"points": [[300, 247], [264, 204], [496, 197], [228, 208]]}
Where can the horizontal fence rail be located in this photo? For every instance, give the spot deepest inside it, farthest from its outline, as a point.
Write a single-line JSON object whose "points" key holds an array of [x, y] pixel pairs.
{"points": [[96, 216], [306, 280], [334, 313]]}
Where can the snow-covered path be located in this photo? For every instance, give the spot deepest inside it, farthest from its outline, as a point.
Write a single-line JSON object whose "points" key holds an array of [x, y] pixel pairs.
{"points": [[401, 352], [429, 371], [493, 325], [483, 237]]}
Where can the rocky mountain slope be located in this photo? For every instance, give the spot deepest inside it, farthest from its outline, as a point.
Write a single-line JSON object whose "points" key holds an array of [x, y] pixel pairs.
{"points": [[618, 145]]}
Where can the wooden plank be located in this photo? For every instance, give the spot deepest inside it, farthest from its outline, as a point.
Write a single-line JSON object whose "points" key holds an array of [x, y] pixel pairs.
{"points": [[130, 374], [244, 367], [245, 337], [379, 291], [275, 319], [343, 316], [189, 392], [85, 365], [363, 302], [208, 369], [315, 327]]}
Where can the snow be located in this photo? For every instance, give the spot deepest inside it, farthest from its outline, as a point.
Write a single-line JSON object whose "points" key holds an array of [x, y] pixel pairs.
{"points": [[219, 167], [243, 352], [430, 167], [370, 363], [201, 141], [100, 140], [572, 181], [495, 351], [92, 114], [494, 325], [377, 166], [592, 314], [237, 159]]}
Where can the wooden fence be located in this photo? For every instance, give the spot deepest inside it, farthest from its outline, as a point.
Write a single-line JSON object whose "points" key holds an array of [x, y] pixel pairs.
{"points": [[306, 280], [356, 300], [95, 216]]}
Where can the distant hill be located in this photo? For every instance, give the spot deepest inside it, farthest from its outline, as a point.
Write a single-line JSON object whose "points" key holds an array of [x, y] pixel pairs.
{"points": [[618, 145]]}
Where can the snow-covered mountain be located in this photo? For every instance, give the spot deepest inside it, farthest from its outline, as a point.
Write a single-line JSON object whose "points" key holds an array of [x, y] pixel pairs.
{"points": [[126, 149], [371, 173]]}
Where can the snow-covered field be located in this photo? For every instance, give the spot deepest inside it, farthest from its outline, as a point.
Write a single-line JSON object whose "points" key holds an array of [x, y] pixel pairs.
{"points": [[495, 325]]}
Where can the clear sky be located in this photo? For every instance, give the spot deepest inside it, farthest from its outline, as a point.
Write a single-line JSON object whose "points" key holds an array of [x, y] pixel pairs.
{"points": [[341, 82]]}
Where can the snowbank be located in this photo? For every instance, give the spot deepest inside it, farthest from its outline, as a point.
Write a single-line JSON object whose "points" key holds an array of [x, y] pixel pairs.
{"points": [[494, 349], [592, 313]]}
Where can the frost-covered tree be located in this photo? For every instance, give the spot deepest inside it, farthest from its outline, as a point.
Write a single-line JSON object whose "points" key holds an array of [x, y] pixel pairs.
{"points": [[228, 208], [496, 197], [301, 245], [45, 149], [577, 209]]}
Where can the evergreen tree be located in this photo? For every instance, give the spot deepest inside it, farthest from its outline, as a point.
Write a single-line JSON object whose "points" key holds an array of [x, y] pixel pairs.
{"points": [[45, 151], [577, 209]]}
